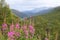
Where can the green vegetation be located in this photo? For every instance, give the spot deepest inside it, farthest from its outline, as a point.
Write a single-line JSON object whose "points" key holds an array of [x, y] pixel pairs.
{"points": [[5, 12], [50, 21]]}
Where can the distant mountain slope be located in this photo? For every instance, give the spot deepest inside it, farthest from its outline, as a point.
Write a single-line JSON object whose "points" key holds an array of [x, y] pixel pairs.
{"points": [[38, 11], [51, 16], [34, 12], [18, 13]]}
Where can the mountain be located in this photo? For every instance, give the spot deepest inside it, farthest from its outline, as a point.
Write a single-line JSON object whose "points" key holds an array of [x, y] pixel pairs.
{"points": [[34, 12], [38, 11], [18, 13]]}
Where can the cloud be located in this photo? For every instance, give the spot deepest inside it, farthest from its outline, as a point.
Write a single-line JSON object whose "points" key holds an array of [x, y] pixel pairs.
{"points": [[23, 5]]}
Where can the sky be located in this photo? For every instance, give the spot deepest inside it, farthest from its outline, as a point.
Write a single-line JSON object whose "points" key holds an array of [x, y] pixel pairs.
{"points": [[24, 5]]}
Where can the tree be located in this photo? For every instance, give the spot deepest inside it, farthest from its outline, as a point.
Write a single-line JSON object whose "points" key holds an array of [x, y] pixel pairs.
{"points": [[4, 11]]}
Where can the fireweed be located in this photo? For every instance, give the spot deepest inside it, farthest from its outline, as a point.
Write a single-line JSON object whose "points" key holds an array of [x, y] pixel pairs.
{"points": [[25, 31], [11, 35], [17, 34], [4, 26], [31, 30], [4, 29], [24, 27], [17, 26], [17, 29], [12, 27]]}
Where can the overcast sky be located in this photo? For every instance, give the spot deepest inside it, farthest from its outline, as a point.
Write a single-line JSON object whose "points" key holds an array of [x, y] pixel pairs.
{"points": [[23, 5]]}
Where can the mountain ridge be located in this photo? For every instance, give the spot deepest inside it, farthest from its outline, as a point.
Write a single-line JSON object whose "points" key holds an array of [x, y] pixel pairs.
{"points": [[18, 13], [32, 12]]}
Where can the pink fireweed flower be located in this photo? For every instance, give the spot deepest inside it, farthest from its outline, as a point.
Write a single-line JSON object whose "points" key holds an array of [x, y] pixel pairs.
{"points": [[31, 30], [30, 27], [26, 33], [12, 27], [4, 26], [17, 34], [17, 26], [24, 27], [11, 34]]}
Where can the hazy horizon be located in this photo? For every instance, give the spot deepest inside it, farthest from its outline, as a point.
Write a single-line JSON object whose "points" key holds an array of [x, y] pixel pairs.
{"points": [[24, 5]]}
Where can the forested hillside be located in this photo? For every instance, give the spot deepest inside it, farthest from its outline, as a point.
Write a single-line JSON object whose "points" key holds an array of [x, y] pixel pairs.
{"points": [[50, 21]]}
